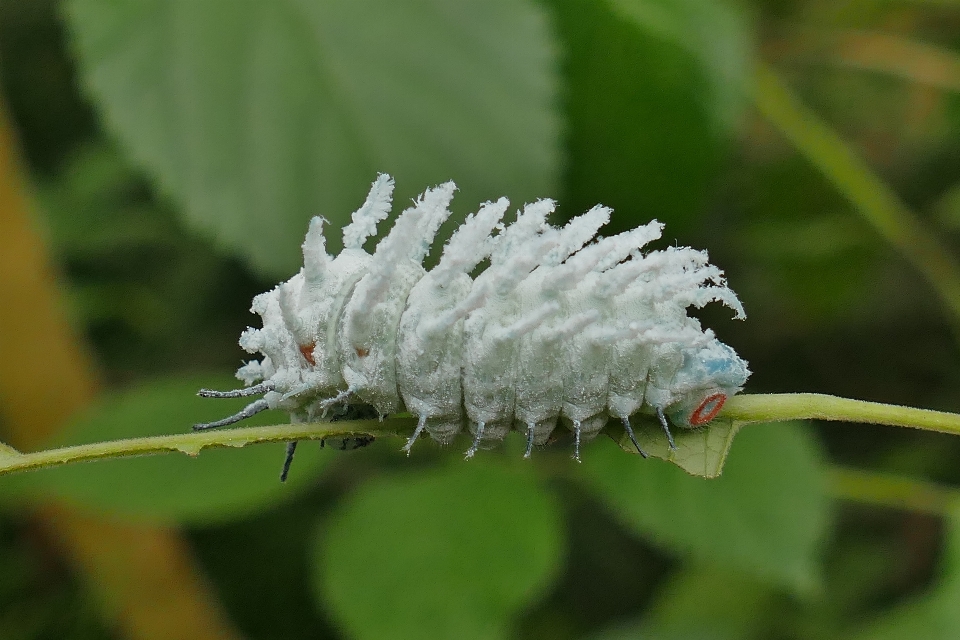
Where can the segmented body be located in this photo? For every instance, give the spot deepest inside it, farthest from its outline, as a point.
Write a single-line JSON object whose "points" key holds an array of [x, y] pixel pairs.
{"points": [[562, 327]]}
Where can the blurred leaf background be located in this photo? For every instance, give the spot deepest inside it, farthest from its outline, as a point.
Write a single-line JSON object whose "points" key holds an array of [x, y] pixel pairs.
{"points": [[172, 153]]}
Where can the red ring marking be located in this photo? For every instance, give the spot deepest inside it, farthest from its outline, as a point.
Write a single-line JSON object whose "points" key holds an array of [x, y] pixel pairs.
{"points": [[697, 418]]}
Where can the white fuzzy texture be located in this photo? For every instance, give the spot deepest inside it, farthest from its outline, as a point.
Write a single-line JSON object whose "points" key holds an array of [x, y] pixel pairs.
{"points": [[560, 326]]}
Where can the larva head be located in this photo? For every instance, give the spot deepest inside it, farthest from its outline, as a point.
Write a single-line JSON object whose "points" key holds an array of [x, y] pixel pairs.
{"points": [[708, 376]]}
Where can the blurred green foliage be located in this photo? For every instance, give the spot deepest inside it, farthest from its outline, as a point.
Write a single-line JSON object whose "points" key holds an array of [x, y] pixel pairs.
{"points": [[177, 150], [424, 523], [765, 515], [932, 614], [41, 601], [282, 110], [225, 484]]}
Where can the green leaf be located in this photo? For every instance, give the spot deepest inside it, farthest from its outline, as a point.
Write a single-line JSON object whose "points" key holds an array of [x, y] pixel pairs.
{"points": [[933, 615], [699, 452], [650, 119], [712, 597], [256, 115], [766, 515], [702, 603], [218, 484], [453, 552]]}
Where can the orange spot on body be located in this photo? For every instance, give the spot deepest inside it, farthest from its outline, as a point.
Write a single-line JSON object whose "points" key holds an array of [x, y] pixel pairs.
{"points": [[708, 409], [307, 351], [362, 352]]}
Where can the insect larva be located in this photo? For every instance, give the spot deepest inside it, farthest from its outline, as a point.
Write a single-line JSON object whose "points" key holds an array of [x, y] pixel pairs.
{"points": [[561, 327]]}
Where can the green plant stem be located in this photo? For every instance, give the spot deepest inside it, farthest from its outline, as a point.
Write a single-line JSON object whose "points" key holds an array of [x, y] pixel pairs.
{"points": [[774, 407], [743, 409], [896, 492], [192, 443], [851, 175]]}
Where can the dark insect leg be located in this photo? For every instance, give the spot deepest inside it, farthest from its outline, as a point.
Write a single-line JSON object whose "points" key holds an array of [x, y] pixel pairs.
{"points": [[576, 440], [666, 427], [359, 442], [255, 390], [476, 442], [421, 423], [251, 409], [353, 443], [291, 449], [352, 412], [530, 432], [633, 438]]}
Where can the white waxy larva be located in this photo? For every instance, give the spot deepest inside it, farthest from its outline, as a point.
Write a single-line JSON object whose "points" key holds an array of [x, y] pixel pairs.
{"points": [[560, 328]]}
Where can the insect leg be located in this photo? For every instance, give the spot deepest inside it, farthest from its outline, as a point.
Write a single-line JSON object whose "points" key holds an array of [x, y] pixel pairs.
{"points": [[666, 428], [633, 438], [291, 449], [476, 442], [255, 390], [301, 389], [360, 442], [251, 409], [416, 434], [340, 397], [576, 440], [530, 433]]}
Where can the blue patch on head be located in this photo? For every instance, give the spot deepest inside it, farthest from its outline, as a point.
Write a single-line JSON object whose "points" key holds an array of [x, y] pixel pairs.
{"points": [[716, 365]]}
